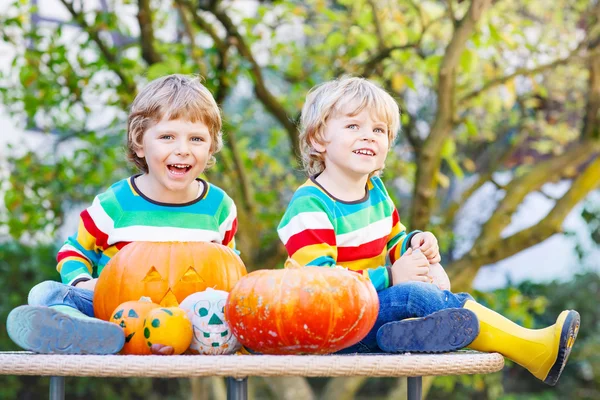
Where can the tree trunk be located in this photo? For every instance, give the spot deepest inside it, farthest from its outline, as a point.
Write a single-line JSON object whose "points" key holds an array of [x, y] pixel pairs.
{"points": [[290, 388], [343, 388], [208, 388]]}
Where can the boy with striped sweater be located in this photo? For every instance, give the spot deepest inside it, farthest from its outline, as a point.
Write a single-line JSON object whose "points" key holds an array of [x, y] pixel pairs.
{"points": [[174, 130], [344, 216]]}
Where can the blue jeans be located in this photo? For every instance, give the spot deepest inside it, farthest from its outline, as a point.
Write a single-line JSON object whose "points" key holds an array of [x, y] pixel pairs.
{"points": [[51, 293], [407, 300]]}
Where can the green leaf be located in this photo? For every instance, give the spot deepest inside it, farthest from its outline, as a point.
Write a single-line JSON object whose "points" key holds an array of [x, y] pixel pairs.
{"points": [[468, 60]]}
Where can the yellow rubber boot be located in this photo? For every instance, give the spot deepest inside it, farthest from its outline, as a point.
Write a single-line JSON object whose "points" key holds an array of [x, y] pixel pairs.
{"points": [[543, 352]]}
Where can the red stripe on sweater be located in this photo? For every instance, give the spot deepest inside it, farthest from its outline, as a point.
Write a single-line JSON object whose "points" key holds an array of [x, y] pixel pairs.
{"points": [[230, 233], [365, 250], [90, 226], [309, 237], [67, 253], [395, 217], [120, 245]]}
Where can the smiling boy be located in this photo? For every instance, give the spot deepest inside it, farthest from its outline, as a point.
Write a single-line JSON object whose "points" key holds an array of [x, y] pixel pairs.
{"points": [[173, 132], [344, 216]]}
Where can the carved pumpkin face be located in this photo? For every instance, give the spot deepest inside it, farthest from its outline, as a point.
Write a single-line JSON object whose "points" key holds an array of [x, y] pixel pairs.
{"points": [[130, 316], [211, 331], [167, 272]]}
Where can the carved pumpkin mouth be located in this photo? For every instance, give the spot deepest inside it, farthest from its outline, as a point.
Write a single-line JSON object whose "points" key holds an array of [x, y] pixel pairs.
{"points": [[169, 300]]}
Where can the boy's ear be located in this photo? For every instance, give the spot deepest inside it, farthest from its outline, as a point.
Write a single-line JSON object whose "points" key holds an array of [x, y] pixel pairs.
{"points": [[317, 146], [139, 151]]}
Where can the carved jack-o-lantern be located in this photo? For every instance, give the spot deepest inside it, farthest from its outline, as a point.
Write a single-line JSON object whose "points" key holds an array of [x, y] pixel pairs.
{"points": [[167, 272], [211, 331]]}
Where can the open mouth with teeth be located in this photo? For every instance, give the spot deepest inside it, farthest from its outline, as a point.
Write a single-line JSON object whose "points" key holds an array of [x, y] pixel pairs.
{"points": [[179, 169], [364, 152]]}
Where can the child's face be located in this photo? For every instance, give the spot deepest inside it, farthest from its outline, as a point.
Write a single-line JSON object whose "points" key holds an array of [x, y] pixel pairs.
{"points": [[354, 145], [176, 152]]}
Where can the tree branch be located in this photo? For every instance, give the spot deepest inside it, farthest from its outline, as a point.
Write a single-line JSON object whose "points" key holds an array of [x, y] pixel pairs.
{"points": [[144, 17], [520, 187], [591, 124], [203, 24], [378, 30], [430, 156], [451, 12], [463, 271], [409, 134], [384, 53], [521, 72], [244, 181], [260, 88], [109, 56], [222, 46], [190, 34]]}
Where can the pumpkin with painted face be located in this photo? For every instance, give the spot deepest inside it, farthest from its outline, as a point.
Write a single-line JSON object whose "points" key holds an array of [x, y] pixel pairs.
{"points": [[168, 327], [166, 272], [211, 331], [130, 316]]}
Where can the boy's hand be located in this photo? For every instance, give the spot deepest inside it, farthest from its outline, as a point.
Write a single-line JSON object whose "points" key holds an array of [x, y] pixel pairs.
{"points": [[439, 277], [89, 285], [412, 266], [428, 244]]}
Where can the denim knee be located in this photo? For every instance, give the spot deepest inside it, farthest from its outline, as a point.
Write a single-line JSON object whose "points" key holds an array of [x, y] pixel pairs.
{"points": [[426, 298], [47, 293]]}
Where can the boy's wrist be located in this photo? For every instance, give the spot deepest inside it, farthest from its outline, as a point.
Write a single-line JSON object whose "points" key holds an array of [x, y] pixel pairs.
{"points": [[408, 239], [390, 276], [79, 280]]}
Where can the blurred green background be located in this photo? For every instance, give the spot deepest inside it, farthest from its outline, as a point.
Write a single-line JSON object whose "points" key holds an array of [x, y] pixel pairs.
{"points": [[498, 153]]}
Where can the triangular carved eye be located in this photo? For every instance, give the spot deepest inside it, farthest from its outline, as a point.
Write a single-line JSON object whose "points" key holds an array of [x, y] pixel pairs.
{"points": [[152, 276], [191, 276]]}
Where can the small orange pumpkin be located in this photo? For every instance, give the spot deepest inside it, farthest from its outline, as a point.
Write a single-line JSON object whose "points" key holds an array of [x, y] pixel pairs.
{"points": [[167, 272], [301, 310], [130, 316], [168, 326]]}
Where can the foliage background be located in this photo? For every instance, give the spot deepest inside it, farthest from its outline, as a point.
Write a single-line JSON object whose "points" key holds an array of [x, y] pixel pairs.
{"points": [[501, 95]]}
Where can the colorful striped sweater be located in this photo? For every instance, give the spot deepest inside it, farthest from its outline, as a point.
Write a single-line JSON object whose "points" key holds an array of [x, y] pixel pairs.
{"points": [[123, 214], [365, 236]]}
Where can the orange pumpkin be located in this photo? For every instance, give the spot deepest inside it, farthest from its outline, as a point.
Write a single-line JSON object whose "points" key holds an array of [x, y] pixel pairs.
{"points": [[130, 316], [167, 272], [301, 310]]}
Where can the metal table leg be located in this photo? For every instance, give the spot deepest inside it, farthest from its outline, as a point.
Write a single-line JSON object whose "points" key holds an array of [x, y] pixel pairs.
{"points": [[237, 388], [57, 388], [415, 388]]}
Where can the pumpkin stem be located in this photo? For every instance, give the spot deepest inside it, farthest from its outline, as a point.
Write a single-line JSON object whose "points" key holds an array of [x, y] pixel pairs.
{"points": [[146, 299], [291, 264]]}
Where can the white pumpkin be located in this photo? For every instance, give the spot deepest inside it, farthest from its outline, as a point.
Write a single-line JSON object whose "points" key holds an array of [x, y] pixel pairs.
{"points": [[211, 332]]}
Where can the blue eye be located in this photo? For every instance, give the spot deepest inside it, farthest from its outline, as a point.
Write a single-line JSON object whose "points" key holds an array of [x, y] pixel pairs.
{"points": [[203, 312]]}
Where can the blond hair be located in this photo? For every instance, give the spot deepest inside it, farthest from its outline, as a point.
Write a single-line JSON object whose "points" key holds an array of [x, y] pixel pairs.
{"points": [[172, 97], [336, 96]]}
